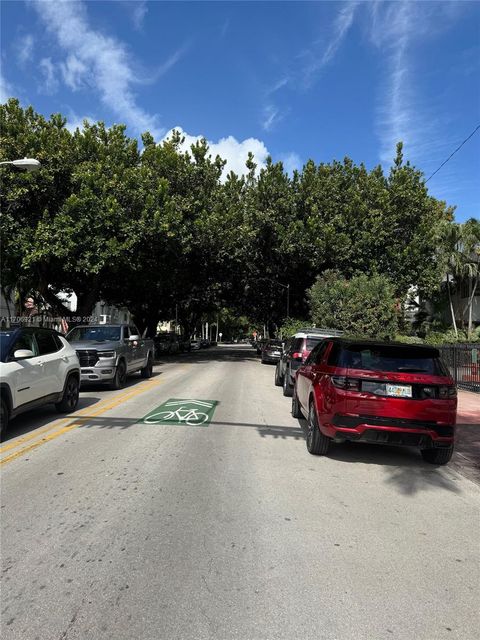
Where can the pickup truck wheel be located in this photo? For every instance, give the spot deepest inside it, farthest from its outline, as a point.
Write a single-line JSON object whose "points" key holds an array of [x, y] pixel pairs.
{"points": [[317, 443], [437, 456], [278, 378], [4, 417], [69, 400], [120, 376], [147, 370], [287, 387]]}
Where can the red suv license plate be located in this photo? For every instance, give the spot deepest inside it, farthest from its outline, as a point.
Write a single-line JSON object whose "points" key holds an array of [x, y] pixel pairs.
{"points": [[399, 390]]}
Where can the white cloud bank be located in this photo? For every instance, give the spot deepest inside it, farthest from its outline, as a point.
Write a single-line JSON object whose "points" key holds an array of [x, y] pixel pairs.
{"points": [[236, 152], [229, 149]]}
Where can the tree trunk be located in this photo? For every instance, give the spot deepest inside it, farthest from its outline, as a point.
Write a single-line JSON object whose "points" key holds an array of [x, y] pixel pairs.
{"points": [[451, 306], [470, 308]]}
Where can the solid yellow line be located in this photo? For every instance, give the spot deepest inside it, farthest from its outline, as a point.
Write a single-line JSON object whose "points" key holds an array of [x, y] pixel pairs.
{"points": [[51, 436], [57, 423]]}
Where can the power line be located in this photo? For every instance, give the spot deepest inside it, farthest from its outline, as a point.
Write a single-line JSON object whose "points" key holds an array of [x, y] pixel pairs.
{"points": [[454, 152], [444, 162]]}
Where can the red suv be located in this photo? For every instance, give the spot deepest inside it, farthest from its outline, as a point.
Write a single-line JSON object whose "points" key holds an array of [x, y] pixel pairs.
{"points": [[386, 393]]}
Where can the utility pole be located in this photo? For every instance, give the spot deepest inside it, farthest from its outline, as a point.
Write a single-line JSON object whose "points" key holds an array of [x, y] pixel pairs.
{"points": [[217, 329]]}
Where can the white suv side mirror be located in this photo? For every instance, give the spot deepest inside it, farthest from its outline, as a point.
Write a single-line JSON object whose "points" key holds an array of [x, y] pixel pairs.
{"points": [[21, 354], [134, 338]]}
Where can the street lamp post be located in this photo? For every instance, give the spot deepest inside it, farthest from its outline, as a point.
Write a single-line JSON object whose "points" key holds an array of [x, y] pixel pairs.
{"points": [[25, 164]]}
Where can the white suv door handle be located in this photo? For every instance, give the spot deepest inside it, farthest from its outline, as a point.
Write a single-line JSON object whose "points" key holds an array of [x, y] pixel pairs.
{"points": [[65, 358]]}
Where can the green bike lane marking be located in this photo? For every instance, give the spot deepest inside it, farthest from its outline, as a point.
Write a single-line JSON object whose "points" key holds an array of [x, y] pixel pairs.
{"points": [[190, 412]]}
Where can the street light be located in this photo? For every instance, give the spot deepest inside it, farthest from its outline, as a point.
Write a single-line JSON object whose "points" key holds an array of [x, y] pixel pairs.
{"points": [[25, 164]]}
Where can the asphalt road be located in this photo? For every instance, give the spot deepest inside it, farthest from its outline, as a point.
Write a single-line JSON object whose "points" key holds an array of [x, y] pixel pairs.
{"points": [[113, 528]]}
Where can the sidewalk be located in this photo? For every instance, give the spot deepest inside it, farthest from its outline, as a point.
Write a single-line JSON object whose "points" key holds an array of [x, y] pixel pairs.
{"points": [[466, 458]]}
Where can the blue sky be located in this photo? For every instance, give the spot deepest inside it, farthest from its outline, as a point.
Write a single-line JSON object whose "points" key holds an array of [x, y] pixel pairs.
{"points": [[295, 80]]}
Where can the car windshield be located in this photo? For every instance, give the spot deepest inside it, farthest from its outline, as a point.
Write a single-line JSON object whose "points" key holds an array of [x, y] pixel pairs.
{"points": [[5, 344], [393, 358], [94, 334]]}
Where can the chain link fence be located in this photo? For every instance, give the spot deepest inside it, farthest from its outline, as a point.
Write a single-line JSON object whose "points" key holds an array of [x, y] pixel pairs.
{"points": [[463, 360]]}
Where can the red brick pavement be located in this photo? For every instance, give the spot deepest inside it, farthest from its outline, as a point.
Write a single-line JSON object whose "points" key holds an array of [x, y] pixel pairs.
{"points": [[466, 458]]}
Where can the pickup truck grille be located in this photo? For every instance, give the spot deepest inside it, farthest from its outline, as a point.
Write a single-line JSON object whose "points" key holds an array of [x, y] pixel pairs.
{"points": [[87, 358]]}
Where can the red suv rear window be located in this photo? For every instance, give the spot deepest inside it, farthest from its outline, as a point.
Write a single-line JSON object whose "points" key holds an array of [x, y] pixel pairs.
{"points": [[389, 358], [312, 343]]}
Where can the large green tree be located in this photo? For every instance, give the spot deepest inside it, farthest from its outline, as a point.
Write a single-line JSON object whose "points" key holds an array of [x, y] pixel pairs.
{"points": [[361, 306], [75, 225]]}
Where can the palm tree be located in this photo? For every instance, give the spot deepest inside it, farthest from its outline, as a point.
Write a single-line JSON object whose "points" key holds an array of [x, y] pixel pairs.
{"points": [[470, 233], [453, 262]]}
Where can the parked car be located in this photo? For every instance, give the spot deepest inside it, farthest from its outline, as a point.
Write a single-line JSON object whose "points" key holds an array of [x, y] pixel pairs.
{"points": [[161, 344], [295, 352], [37, 367], [204, 344], [195, 345], [110, 352], [259, 344], [166, 343], [385, 393], [272, 351], [184, 343]]}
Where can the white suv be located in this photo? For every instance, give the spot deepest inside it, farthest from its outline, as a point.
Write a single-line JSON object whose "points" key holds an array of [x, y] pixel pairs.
{"points": [[37, 366]]}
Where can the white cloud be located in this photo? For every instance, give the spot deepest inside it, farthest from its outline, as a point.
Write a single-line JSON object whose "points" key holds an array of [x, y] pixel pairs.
{"points": [[229, 149], [6, 89], [74, 121], [225, 27], [171, 61], [271, 117], [291, 161], [278, 85], [49, 72], [139, 12], [24, 48], [75, 72], [402, 114], [339, 30], [313, 58], [99, 60]]}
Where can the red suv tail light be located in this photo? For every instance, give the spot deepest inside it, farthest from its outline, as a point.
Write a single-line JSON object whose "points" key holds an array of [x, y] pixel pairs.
{"points": [[342, 382], [446, 392], [298, 355]]}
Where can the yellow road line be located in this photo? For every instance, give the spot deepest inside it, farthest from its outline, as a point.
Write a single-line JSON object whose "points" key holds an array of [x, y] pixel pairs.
{"points": [[51, 436], [59, 422]]}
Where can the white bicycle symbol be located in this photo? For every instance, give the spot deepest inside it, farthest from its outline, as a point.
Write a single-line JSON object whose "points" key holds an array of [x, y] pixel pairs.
{"points": [[189, 416]]}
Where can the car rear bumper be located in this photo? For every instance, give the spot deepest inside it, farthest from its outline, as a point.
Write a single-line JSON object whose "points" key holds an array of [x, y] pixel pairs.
{"points": [[410, 433], [270, 358]]}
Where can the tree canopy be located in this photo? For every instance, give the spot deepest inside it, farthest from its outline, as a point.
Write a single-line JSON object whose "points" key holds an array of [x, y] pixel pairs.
{"points": [[165, 232]]}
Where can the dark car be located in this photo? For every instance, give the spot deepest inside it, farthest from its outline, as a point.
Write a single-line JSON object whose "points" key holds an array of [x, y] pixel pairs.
{"points": [[272, 351], [377, 392], [259, 344], [166, 343], [295, 352]]}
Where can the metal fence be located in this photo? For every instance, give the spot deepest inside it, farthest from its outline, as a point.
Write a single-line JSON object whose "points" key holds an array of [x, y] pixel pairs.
{"points": [[463, 360]]}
